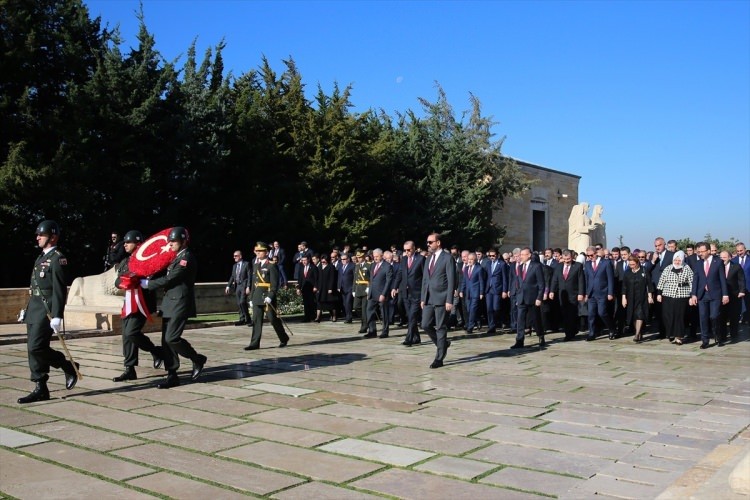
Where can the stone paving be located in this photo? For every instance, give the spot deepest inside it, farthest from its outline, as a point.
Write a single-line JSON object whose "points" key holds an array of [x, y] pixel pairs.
{"points": [[337, 416]]}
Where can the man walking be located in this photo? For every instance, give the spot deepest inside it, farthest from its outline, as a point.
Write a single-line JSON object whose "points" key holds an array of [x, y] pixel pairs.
{"points": [[438, 286], [238, 283]]}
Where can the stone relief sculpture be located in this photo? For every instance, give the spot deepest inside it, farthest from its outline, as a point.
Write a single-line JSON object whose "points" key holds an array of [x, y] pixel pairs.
{"points": [[584, 231], [96, 290]]}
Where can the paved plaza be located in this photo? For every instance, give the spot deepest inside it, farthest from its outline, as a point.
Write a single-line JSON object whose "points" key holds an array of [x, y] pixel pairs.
{"points": [[337, 416]]}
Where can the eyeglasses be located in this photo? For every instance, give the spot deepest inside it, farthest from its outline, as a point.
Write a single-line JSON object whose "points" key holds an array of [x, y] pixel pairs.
{"points": [[237, 256], [589, 255], [430, 242], [408, 250], [641, 258], [492, 256]]}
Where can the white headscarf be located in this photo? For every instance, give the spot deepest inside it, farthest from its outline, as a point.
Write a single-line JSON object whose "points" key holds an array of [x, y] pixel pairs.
{"points": [[679, 254]]}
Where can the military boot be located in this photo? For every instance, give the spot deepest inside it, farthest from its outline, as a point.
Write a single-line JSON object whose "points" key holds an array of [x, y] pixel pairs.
{"points": [[128, 374], [40, 393], [71, 375]]}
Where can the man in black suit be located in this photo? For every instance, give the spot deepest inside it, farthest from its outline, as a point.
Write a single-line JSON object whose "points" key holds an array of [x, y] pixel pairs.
{"points": [[177, 306], [238, 283], [379, 294], [709, 292], [278, 253], [659, 261], [346, 286], [737, 288], [497, 289], [528, 297], [620, 268], [307, 287], [436, 300], [569, 287], [408, 287]]}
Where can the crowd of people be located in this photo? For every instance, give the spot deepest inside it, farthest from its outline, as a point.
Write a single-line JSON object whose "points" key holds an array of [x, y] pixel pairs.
{"points": [[430, 290], [674, 294]]}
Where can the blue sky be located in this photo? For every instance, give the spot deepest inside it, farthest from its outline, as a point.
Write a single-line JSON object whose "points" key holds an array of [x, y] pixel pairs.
{"points": [[648, 101]]}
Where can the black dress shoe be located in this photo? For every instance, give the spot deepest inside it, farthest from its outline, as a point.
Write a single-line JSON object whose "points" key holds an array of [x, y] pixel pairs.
{"points": [[436, 364], [158, 359], [172, 380], [251, 347], [240, 323], [417, 342], [590, 338], [128, 374], [491, 331], [383, 336], [40, 393], [705, 346], [370, 335], [198, 365], [470, 331], [71, 376], [542, 343], [348, 322], [517, 345], [283, 344], [407, 344], [363, 330]]}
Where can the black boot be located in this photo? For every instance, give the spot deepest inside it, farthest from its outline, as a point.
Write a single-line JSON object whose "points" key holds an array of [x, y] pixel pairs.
{"points": [[71, 375], [40, 393], [172, 380], [128, 374], [158, 357]]}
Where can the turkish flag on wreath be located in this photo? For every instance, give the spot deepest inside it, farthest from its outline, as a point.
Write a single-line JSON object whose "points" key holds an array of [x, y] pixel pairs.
{"points": [[151, 257]]}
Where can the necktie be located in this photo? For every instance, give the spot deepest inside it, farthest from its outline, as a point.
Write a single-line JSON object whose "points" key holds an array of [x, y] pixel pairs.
{"points": [[523, 273], [726, 270], [410, 260], [742, 261], [306, 269], [595, 265], [239, 265], [375, 271], [432, 264], [494, 265], [705, 267], [470, 271], [565, 272]]}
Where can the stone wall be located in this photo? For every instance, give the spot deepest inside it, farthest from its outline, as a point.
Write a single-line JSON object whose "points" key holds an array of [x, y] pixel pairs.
{"points": [[546, 195]]}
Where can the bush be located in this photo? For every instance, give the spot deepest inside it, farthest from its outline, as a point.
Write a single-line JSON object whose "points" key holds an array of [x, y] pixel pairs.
{"points": [[288, 302]]}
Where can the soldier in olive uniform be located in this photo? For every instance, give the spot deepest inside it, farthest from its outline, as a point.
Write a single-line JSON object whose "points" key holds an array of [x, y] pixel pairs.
{"points": [[133, 317], [177, 306], [44, 313], [361, 289], [264, 285]]}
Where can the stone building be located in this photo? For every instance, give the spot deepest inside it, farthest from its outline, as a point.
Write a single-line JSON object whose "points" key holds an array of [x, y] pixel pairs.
{"points": [[539, 217]]}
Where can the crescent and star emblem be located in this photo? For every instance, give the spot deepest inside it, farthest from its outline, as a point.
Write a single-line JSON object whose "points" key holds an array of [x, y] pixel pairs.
{"points": [[141, 253]]}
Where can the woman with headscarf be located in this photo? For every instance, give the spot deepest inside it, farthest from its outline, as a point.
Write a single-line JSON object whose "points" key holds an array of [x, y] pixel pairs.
{"points": [[673, 291], [637, 294]]}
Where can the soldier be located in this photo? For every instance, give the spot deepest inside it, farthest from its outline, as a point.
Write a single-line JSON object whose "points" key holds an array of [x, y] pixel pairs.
{"points": [[361, 288], [135, 311], [44, 314], [262, 292], [177, 306]]}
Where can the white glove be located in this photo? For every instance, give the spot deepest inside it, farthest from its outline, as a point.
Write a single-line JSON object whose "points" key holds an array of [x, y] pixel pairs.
{"points": [[55, 323], [251, 303], [367, 290], [144, 283], [226, 290], [354, 294], [267, 300]]}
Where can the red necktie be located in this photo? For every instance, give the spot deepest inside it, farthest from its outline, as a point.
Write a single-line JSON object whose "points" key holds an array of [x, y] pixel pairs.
{"points": [[410, 259], [565, 272], [470, 271], [705, 267], [726, 268], [594, 266], [375, 271], [432, 264], [523, 274]]}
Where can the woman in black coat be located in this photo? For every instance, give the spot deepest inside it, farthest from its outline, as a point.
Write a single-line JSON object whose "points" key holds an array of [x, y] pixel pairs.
{"points": [[637, 294]]}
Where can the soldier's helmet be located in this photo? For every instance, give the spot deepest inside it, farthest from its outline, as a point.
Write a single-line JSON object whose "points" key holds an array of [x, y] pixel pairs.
{"points": [[133, 236], [178, 233], [48, 228]]}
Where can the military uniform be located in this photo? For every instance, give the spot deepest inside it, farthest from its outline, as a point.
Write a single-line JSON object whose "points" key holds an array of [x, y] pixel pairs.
{"points": [[48, 290], [178, 304], [264, 285], [361, 287], [133, 321]]}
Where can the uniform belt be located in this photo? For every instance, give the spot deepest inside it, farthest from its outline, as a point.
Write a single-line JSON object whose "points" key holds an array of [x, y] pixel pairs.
{"points": [[360, 282], [40, 293], [263, 285]]}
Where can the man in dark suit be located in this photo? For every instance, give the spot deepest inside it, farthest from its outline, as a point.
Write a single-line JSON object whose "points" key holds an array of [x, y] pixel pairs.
{"points": [[513, 286], [346, 286], [436, 301], [379, 294], [278, 253], [408, 287], [497, 289], [263, 287], [307, 283], [528, 297], [659, 261], [238, 283], [569, 287], [744, 261], [709, 293], [737, 288], [600, 288], [473, 287], [177, 306], [620, 268]]}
